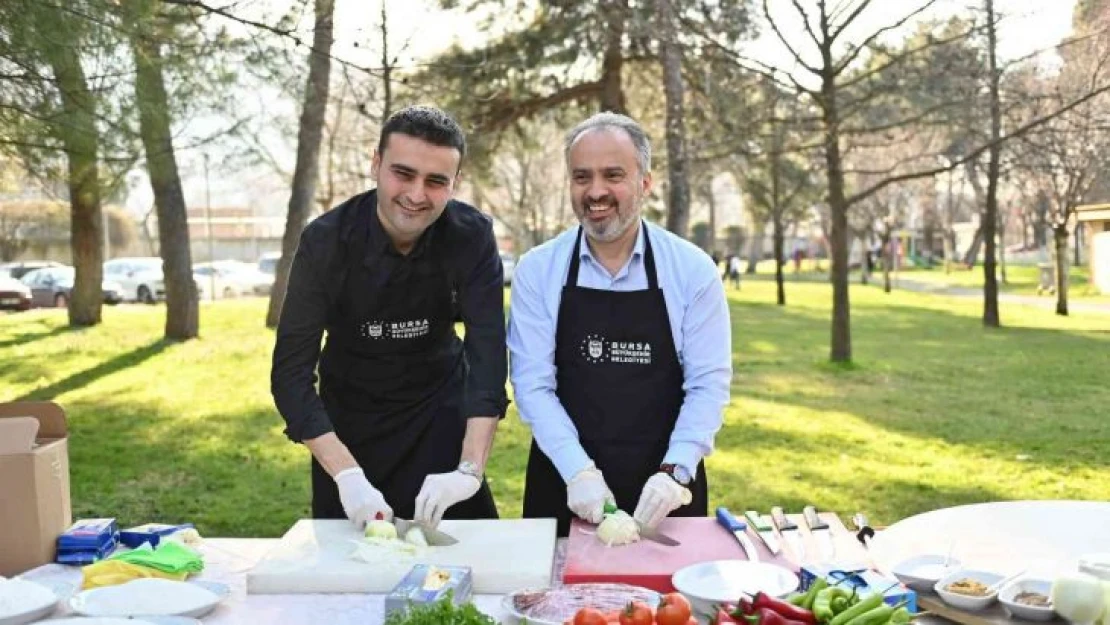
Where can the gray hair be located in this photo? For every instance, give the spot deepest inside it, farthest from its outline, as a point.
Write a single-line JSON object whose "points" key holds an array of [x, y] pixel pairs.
{"points": [[614, 121]]}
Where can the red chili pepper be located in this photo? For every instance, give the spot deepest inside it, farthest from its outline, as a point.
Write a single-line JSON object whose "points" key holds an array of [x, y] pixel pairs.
{"points": [[787, 610], [767, 616], [728, 614]]}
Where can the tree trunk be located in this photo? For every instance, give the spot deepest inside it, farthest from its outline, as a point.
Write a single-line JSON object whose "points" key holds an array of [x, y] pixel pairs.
{"points": [[81, 142], [182, 312], [990, 214], [387, 63], [840, 349], [972, 253], [1002, 254], [308, 153], [678, 201], [1060, 235], [888, 259], [779, 237], [1078, 243], [755, 248], [949, 231], [612, 87], [712, 202]]}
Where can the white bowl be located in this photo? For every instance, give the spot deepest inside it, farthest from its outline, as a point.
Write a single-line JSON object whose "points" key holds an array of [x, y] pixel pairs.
{"points": [[968, 602], [35, 601], [922, 572], [709, 584], [1023, 610]]}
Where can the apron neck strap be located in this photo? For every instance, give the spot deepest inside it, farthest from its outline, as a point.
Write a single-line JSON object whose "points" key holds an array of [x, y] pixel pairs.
{"points": [[649, 260]]}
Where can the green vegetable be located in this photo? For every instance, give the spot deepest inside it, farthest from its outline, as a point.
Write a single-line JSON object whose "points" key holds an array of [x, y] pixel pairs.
{"points": [[901, 616], [817, 586], [442, 612], [876, 616], [824, 604], [871, 602]]}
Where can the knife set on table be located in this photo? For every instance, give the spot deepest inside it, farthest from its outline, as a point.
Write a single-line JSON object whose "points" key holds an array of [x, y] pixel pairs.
{"points": [[789, 531]]}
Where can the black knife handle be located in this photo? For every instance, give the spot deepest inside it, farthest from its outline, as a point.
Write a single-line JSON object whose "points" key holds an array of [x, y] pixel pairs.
{"points": [[864, 530], [812, 520], [780, 520]]}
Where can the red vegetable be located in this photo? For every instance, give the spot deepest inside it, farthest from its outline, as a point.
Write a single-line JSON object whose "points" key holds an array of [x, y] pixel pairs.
{"points": [[788, 610], [767, 616]]}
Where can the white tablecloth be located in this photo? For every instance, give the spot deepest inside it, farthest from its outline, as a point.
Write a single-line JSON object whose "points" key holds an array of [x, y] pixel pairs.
{"points": [[227, 561]]}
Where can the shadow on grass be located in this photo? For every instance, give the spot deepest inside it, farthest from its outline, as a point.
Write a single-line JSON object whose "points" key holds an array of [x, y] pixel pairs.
{"points": [[31, 337], [88, 376]]}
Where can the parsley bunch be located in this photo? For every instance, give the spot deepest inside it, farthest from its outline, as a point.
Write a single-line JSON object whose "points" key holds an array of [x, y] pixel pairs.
{"points": [[442, 612]]}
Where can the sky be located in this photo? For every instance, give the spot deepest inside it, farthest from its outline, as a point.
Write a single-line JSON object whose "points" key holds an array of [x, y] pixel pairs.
{"points": [[417, 31]]}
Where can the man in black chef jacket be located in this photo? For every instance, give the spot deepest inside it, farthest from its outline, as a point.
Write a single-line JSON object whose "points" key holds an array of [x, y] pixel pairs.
{"points": [[406, 411]]}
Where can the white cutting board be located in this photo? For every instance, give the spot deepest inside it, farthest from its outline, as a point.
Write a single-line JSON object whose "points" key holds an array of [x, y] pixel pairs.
{"points": [[314, 556]]}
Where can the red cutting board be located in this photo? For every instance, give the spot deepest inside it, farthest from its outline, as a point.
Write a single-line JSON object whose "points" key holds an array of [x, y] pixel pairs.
{"points": [[650, 564]]}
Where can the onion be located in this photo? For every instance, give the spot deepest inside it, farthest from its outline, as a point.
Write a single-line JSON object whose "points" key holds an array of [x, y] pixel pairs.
{"points": [[618, 528], [380, 529], [1078, 597]]}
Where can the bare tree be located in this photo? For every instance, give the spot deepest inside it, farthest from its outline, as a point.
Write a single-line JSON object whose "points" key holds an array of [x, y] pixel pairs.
{"points": [[305, 175], [678, 200]]}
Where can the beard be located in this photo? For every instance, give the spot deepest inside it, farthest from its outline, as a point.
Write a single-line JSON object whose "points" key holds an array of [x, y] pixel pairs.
{"points": [[612, 227]]}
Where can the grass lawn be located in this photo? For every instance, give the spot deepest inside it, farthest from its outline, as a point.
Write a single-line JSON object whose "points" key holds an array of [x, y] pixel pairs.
{"points": [[934, 412]]}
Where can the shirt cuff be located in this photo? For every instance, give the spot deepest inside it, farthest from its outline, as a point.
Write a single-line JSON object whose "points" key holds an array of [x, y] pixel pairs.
{"points": [[570, 460], [485, 405], [317, 424], [685, 455]]}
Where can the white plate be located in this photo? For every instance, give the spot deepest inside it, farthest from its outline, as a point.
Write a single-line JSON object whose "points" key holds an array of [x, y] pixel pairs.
{"points": [[922, 572], [36, 601], [724, 581], [146, 597], [97, 620], [968, 602]]}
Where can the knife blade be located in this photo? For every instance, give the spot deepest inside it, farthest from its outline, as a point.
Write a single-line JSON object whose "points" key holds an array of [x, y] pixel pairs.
{"points": [[864, 531], [739, 530], [646, 532], [789, 531], [434, 537], [820, 531], [766, 533]]}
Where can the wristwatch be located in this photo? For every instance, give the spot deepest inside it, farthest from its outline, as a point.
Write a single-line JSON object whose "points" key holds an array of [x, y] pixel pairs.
{"points": [[467, 467], [676, 472]]}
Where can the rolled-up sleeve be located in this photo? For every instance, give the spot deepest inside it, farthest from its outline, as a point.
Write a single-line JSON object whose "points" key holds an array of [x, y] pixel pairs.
{"points": [[482, 304], [297, 348], [707, 374], [532, 345]]}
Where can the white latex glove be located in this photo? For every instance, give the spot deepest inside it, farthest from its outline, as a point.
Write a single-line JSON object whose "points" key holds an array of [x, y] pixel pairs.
{"points": [[361, 501], [441, 491], [660, 497], [587, 493]]}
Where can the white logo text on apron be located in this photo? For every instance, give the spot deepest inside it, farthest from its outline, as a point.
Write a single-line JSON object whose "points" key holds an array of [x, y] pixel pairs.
{"points": [[593, 350], [411, 329]]}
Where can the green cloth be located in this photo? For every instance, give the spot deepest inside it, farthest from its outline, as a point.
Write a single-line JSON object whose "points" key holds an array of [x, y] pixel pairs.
{"points": [[169, 557]]}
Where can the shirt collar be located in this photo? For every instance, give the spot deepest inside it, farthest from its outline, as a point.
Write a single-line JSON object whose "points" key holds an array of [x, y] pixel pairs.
{"points": [[637, 247], [379, 242]]}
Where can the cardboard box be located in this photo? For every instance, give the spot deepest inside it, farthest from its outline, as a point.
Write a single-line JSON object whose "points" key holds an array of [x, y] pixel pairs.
{"points": [[864, 580], [34, 484]]}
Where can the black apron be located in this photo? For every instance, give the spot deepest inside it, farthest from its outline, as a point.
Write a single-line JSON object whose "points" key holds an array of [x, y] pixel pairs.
{"points": [[619, 379], [391, 377]]}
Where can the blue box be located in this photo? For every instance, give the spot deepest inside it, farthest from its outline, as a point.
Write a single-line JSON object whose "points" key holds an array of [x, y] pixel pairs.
{"points": [[87, 541], [428, 583], [863, 579]]}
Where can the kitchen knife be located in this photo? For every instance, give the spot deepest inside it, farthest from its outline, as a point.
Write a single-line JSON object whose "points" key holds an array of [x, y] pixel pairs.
{"points": [[789, 531], [864, 531], [648, 533], [434, 537], [739, 530], [766, 533], [820, 531]]}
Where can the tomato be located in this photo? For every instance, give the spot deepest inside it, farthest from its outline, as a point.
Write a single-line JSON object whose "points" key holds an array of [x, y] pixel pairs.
{"points": [[637, 613], [674, 609], [590, 616]]}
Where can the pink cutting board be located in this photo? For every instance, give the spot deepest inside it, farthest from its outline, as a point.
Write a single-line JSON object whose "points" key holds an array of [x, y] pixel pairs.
{"points": [[650, 564]]}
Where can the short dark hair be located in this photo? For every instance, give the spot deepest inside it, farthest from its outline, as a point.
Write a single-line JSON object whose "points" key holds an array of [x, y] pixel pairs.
{"points": [[427, 123]]}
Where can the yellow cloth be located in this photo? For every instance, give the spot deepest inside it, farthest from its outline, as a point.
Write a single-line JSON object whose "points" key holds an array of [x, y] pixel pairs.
{"points": [[113, 572]]}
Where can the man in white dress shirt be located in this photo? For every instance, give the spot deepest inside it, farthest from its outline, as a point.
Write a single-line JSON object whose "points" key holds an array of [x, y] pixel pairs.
{"points": [[620, 346]]}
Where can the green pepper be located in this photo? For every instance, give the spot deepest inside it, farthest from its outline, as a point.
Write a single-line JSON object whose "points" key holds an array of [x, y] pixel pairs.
{"points": [[901, 616], [817, 586], [797, 598], [870, 603], [825, 601], [841, 602]]}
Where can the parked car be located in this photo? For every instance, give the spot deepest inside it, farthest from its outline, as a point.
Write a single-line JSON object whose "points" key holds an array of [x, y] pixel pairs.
{"points": [[14, 295], [51, 287], [229, 278], [141, 278], [21, 268], [267, 263], [508, 264]]}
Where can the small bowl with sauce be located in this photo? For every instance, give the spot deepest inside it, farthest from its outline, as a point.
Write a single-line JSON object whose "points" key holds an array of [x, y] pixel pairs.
{"points": [[1028, 599], [922, 572], [968, 589]]}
